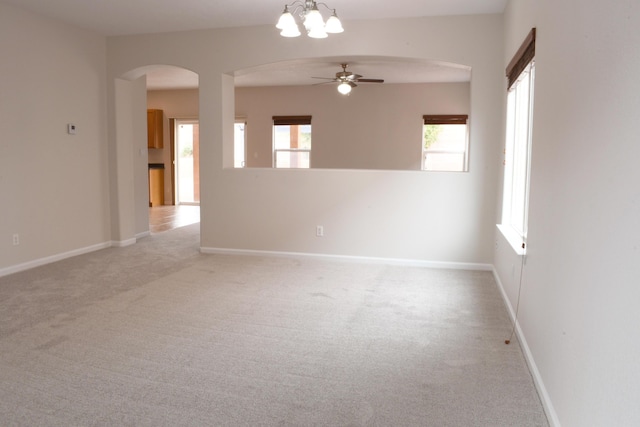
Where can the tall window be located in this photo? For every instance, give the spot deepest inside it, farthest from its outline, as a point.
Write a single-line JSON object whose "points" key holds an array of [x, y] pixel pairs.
{"points": [[291, 141], [444, 143], [515, 204]]}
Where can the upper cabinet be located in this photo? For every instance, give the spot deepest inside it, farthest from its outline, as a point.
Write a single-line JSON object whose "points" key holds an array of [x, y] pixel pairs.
{"points": [[155, 128]]}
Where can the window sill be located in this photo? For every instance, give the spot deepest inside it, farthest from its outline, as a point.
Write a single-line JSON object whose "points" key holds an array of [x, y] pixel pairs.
{"points": [[515, 240]]}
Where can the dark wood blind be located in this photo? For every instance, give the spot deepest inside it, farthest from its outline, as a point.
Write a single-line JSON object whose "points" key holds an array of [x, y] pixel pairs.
{"points": [[291, 120], [445, 119], [522, 58]]}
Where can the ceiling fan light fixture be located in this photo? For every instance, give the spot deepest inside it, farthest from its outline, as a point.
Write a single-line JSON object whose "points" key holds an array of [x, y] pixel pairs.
{"points": [[312, 20], [347, 80], [344, 88]]}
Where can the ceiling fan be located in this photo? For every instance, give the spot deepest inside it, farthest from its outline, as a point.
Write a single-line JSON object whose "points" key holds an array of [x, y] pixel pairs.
{"points": [[347, 80]]}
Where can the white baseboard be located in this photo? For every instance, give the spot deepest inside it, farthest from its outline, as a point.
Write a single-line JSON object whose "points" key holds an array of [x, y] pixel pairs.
{"points": [[143, 234], [123, 243], [348, 258], [549, 410], [47, 260]]}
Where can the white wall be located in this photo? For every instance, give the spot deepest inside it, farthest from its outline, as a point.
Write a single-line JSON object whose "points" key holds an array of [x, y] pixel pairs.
{"points": [[179, 103], [141, 157], [578, 309], [53, 186], [378, 126], [445, 217]]}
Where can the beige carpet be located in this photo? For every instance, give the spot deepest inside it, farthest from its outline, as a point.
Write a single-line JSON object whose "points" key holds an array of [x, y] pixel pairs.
{"points": [[159, 335]]}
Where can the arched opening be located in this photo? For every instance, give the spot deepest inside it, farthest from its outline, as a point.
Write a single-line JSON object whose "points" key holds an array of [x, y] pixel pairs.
{"points": [[376, 125], [160, 98]]}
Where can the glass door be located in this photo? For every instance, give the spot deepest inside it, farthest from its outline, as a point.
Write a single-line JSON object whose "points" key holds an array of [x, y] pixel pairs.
{"points": [[187, 162]]}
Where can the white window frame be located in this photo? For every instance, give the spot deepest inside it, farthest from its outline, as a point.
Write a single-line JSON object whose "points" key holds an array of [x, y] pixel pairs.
{"points": [[290, 150], [517, 172], [432, 119], [290, 121], [236, 162]]}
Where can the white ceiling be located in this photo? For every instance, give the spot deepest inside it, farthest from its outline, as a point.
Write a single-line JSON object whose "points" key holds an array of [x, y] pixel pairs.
{"points": [[126, 17], [121, 17]]}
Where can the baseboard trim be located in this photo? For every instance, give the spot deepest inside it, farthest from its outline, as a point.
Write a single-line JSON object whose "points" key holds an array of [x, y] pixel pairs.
{"points": [[349, 258], [143, 234], [549, 410], [48, 260], [123, 243]]}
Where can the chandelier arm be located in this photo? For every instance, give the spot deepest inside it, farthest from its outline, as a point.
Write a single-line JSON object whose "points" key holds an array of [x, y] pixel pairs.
{"points": [[296, 8], [325, 5], [297, 3]]}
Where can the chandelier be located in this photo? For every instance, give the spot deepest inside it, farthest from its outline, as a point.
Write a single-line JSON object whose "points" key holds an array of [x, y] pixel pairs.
{"points": [[307, 11]]}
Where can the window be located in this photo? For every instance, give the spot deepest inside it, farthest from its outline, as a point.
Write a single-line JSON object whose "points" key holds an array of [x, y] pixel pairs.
{"points": [[239, 142], [444, 143], [515, 203], [291, 141]]}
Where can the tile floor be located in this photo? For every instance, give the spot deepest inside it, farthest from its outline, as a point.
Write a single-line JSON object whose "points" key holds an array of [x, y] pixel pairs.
{"points": [[163, 218]]}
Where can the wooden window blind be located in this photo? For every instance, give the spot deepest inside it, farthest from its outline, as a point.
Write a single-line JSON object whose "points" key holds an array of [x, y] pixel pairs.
{"points": [[522, 58], [445, 119], [291, 120]]}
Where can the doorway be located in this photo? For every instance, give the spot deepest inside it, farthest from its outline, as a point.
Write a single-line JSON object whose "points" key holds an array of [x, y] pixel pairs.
{"points": [[187, 162]]}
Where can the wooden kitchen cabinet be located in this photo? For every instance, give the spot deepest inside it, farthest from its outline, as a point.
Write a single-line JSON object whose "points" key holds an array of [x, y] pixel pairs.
{"points": [[156, 185], [155, 129]]}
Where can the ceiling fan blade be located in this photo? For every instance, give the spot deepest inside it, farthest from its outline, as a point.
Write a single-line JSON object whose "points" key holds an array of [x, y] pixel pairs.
{"points": [[324, 78], [370, 80], [323, 83]]}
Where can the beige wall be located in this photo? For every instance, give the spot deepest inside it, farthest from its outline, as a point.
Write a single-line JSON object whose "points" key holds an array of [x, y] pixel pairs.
{"points": [[54, 187], [378, 126], [429, 217], [578, 308], [579, 296]]}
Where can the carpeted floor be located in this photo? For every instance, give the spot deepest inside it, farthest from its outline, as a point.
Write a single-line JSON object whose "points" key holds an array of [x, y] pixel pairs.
{"points": [[157, 334]]}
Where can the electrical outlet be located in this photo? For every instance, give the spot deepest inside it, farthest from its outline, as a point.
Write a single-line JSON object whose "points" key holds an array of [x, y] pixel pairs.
{"points": [[319, 231], [16, 239]]}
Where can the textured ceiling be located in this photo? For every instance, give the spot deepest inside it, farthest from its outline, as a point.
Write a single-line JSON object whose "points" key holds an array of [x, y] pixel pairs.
{"points": [[122, 17], [127, 17]]}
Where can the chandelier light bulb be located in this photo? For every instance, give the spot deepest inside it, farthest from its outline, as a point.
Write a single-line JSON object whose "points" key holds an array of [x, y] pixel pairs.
{"points": [[317, 33], [312, 20], [333, 24], [290, 32], [286, 20]]}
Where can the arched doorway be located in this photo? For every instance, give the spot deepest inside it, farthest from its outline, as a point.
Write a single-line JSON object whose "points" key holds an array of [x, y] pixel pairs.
{"points": [[172, 94]]}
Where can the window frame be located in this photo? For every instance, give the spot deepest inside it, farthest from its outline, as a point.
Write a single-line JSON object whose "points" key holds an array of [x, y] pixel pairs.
{"points": [[240, 120], [289, 121], [518, 145], [446, 119]]}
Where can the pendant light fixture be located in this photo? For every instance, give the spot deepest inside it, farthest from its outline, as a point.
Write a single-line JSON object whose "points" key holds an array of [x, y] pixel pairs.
{"points": [[344, 88], [312, 20]]}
